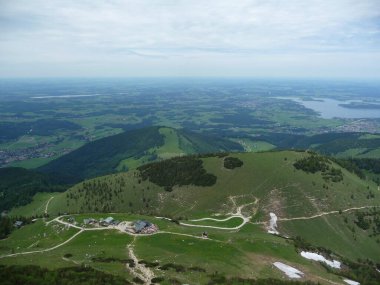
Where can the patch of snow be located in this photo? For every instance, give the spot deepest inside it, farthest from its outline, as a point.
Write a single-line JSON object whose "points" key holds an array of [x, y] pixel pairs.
{"points": [[350, 282], [273, 224], [291, 272], [318, 257]]}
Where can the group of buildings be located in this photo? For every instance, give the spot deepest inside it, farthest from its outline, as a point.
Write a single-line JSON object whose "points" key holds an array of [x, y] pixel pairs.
{"points": [[137, 227]]}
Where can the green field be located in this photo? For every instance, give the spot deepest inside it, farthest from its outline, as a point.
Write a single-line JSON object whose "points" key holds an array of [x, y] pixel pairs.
{"points": [[240, 246], [228, 252]]}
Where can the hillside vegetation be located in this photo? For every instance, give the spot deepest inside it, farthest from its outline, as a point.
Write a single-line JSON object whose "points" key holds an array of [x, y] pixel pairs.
{"points": [[178, 171], [334, 144], [269, 177], [19, 185], [102, 156], [314, 213], [131, 149]]}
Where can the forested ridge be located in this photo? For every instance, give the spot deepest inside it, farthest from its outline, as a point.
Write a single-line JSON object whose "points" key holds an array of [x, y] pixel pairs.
{"points": [[102, 156], [18, 186]]}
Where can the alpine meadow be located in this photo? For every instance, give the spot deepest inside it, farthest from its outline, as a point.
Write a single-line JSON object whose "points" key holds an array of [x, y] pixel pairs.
{"points": [[190, 142]]}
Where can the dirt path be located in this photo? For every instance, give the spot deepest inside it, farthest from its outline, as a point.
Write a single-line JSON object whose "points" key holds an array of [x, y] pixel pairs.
{"points": [[57, 219], [43, 250], [47, 205], [188, 235], [82, 229], [214, 227], [70, 260], [216, 220], [139, 270], [325, 213], [236, 212]]}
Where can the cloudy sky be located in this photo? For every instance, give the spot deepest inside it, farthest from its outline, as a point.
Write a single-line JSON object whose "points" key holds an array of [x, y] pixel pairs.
{"points": [[259, 38]]}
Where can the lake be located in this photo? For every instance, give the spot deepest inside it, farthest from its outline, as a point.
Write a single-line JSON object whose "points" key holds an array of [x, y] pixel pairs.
{"points": [[330, 108]]}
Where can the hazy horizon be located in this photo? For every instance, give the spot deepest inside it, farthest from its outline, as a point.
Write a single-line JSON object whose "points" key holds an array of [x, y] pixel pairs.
{"points": [[316, 39]]}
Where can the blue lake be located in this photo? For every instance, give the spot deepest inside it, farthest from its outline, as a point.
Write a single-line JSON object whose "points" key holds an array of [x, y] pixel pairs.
{"points": [[330, 108]]}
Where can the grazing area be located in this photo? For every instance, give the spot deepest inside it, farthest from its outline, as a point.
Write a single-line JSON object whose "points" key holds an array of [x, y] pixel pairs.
{"points": [[160, 236]]}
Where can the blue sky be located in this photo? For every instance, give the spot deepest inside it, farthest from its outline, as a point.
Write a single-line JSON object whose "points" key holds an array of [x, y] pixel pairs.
{"points": [[308, 38]]}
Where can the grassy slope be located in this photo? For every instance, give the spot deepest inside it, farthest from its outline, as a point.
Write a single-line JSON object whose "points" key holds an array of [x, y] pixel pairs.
{"points": [[249, 252], [36, 207], [270, 177]]}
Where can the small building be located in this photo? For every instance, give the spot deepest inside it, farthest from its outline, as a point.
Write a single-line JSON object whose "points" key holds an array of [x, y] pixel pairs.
{"points": [[18, 224], [109, 220], [140, 225], [144, 227], [89, 221], [106, 222]]}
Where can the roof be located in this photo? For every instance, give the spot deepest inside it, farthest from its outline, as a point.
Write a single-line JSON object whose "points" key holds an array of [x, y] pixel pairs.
{"points": [[108, 220], [140, 225]]}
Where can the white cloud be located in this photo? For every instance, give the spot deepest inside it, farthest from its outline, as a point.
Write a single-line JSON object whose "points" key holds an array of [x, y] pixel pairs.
{"points": [[160, 34]]}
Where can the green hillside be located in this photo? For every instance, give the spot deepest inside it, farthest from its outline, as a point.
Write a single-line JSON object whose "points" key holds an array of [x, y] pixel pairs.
{"points": [[270, 177], [320, 206], [19, 185], [130, 149], [261, 175], [340, 144]]}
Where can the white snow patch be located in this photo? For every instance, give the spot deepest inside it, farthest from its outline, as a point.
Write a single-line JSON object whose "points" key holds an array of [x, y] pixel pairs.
{"points": [[318, 257], [350, 282], [291, 272], [273, 224]]}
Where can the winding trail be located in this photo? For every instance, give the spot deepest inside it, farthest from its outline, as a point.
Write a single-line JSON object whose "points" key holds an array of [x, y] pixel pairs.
{"points": [[82, 229], [44, 250], [215, 220], [188, 235], [233, 214], [147, 273], [47, 205], [139, 270], [326, 213], [213, 227]]}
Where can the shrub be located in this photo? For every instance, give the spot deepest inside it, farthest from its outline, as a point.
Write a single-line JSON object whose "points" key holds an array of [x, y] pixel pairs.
{"points": [[177, 171], [232, 162]]}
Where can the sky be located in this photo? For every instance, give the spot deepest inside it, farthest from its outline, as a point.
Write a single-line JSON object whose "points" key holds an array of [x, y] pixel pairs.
{"points": [[143, 38]]}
